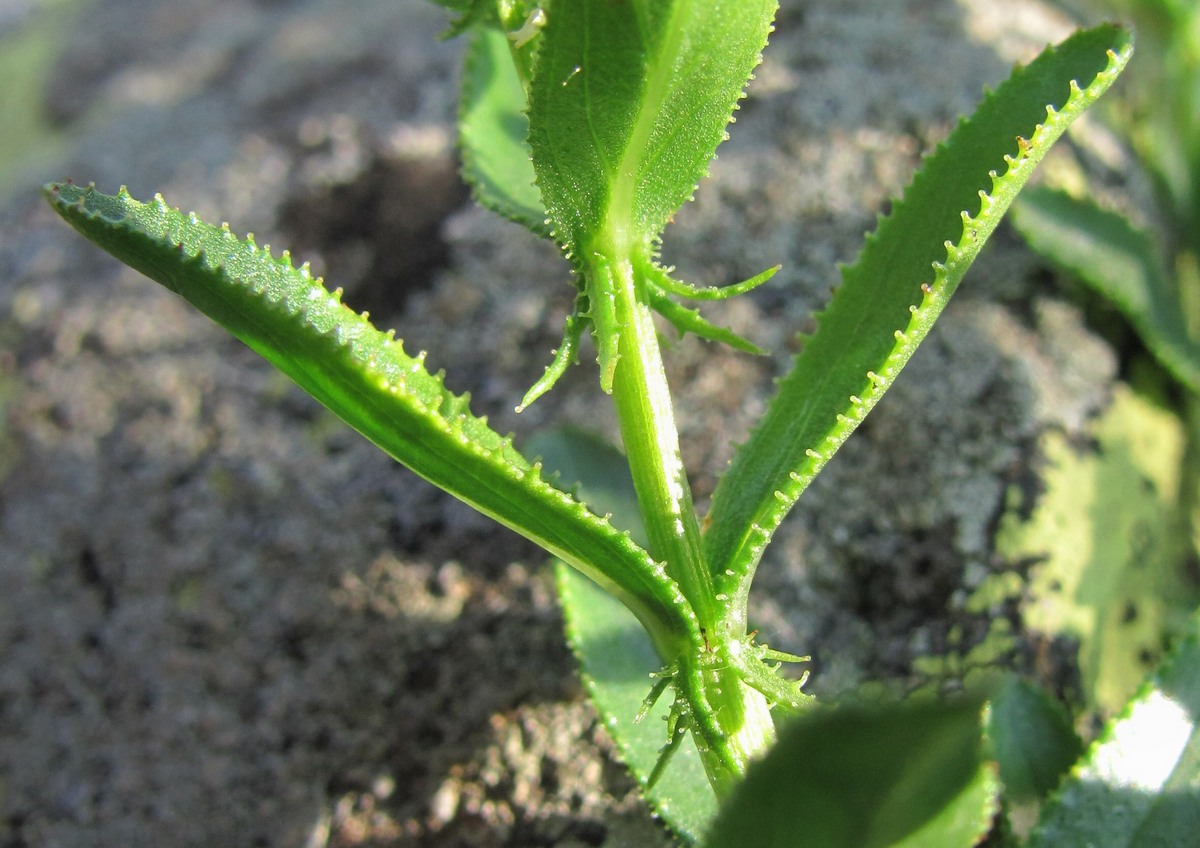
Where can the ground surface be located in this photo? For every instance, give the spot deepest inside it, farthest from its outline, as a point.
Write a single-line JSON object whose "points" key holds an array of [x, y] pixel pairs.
{"points": [[226, 620]]}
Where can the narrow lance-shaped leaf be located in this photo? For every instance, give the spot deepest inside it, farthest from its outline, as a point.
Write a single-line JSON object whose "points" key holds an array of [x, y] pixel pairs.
{"points": [[627, 107], [1105, 251], [365, 377], [891, 296]]}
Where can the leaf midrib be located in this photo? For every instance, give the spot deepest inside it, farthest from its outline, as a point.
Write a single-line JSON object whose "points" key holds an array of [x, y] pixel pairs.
{"points": [[656, 88]]}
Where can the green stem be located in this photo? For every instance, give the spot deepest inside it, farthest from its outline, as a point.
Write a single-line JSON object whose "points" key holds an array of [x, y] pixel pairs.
{"points": [[731, 721], [647, 420]]}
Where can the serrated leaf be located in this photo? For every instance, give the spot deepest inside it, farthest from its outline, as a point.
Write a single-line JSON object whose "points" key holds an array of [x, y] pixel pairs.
{"points": [[616, 660], [628, 105], [1104, 250], [493, 132], [615, 656], [1139, 785], [862, 778], [1032, 739], [367, 379], [890, 298]]}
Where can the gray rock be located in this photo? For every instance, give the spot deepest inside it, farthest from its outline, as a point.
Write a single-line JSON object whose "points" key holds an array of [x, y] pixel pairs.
{"points": [[226, 620]]}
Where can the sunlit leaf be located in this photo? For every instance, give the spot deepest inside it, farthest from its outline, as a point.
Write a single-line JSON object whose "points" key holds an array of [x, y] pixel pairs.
{"points": [[1139, 786], [890, 298]]}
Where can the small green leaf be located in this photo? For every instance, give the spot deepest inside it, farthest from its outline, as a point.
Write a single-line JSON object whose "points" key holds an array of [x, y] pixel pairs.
{"points": [[690, 321], [493, 130], [866, 778], [1032, 739], [1139, 785], [564, 357], [890, 298], [367, 379], [615, 657], [964, 821], [1104, 250]]}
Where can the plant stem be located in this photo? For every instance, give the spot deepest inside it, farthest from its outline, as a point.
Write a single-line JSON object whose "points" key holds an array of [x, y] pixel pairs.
{"points": [[643, 404], [731, 721]]}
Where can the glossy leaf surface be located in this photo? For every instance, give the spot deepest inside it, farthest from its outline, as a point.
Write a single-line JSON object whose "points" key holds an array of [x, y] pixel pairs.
{"points": [[367, 379], [890, 297]]}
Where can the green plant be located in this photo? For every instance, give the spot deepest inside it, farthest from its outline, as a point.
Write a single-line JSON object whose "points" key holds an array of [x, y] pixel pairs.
{"points": [[1153, 281], [591, 122], [1143, 261], [1149, 272]]}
